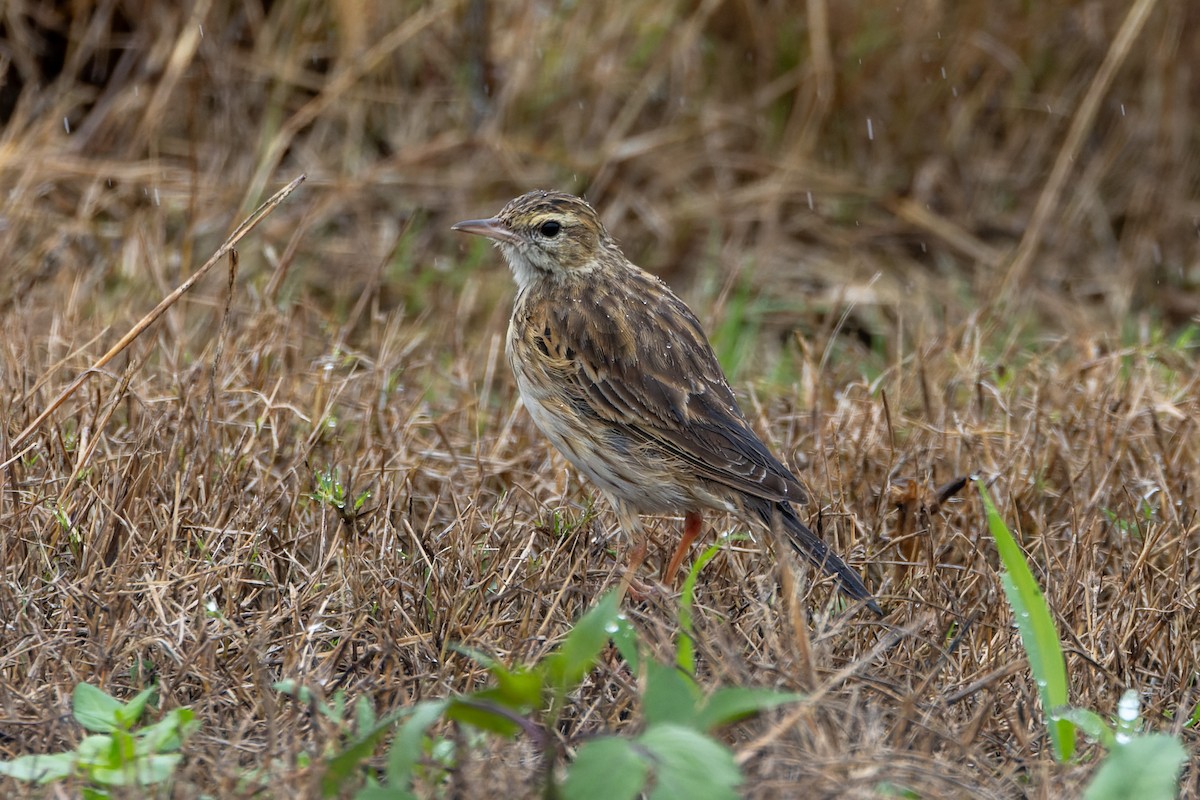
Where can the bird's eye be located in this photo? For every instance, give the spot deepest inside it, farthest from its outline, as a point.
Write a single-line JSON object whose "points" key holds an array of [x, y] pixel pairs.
{"points": [[550, 228]]}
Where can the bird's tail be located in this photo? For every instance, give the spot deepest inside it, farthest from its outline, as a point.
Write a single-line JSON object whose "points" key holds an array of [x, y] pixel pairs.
{"points": [[781, 516]]}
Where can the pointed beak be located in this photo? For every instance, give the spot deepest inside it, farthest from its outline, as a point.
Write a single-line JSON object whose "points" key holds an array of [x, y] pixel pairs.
{"points": [[491, 228]]}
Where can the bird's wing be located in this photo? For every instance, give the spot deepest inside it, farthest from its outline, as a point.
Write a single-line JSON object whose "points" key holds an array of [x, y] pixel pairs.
{"points": [[634, 355]]}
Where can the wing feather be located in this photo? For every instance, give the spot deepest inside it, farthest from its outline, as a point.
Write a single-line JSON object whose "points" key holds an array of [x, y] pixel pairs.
{"points": [[640, 362]]}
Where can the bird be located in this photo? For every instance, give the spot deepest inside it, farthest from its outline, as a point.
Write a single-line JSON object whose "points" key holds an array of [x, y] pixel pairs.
{"points": [[617, 372]]}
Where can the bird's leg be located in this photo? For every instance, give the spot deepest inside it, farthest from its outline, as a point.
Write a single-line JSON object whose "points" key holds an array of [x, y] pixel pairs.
{"points": [[692, 521], [631, 525]]}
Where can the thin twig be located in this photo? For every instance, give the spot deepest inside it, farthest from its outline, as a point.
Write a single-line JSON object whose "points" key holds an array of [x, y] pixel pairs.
{"points": [[145, 322]]}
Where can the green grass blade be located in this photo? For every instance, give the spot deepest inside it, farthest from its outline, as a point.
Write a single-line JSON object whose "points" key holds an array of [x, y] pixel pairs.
{"points": [[685, 648], [1039, 636]]}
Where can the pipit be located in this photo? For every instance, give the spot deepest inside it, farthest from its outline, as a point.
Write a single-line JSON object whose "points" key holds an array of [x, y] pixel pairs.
{"points": [[617, 373]]}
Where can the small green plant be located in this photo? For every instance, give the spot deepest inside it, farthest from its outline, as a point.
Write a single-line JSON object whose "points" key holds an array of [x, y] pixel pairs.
{"points": [[359, 743], [673, 755], [115, 754], [675, 750], [1138, 765], [328, 490]]}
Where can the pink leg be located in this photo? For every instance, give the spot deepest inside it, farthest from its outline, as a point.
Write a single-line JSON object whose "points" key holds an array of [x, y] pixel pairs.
{"points": [[691, 529]]}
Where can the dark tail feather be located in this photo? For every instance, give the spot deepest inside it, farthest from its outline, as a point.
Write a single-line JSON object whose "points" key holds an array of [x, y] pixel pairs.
{"points": [[809, 545]]}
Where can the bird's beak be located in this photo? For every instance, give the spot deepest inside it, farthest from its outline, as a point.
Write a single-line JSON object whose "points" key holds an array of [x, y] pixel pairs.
{"points": [[491, 228]]}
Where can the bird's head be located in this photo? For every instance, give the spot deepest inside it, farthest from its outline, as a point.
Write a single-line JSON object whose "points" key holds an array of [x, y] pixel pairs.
{"points": [[546, 234]]}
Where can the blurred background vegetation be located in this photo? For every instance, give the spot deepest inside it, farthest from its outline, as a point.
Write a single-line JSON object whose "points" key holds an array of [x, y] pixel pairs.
{"points": [[855, 163]]}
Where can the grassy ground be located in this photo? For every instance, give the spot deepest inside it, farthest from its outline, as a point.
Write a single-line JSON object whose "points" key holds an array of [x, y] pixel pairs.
{"points": [[928, 239]]}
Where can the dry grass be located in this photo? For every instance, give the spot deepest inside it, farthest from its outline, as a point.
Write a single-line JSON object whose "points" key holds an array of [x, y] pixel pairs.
{"points": [[160, 526]]}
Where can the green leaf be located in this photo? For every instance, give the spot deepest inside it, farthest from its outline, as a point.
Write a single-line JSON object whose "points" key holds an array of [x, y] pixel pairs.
{"points": [[686, 763], [364, 714], [519, 690], [577, 654], [406, 746], [40, 768], [1038, 633], [737, 702], [1092, 724], [384, 793], [129, 713], [95, 710], [169, 732], [342, 765], [95, 749], [479, 657], [157, 768], [474, 710], [670, 697], [626, 640], [608, 768], [1147, 767]]}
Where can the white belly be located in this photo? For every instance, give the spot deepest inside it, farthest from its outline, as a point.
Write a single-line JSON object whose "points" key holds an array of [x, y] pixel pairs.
{"points": [[602, 454]]}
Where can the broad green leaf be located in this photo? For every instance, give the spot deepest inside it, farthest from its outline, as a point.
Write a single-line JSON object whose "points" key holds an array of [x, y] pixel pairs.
{"points": [[607, 768], [117, 766], [129, 713], [626, 640], [577, 654], [168, 733], [95, 749], [124, 748], [1038, 633], [670, 697], [519, 690], [474, 710], [95, 710], [406, 746], [1146, 768], [39, 768], [737, 702], [157, 768], [686, 763]]}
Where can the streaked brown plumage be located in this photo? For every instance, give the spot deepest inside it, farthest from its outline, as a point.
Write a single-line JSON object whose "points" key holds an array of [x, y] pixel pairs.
{"points": [[616, 371]]}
